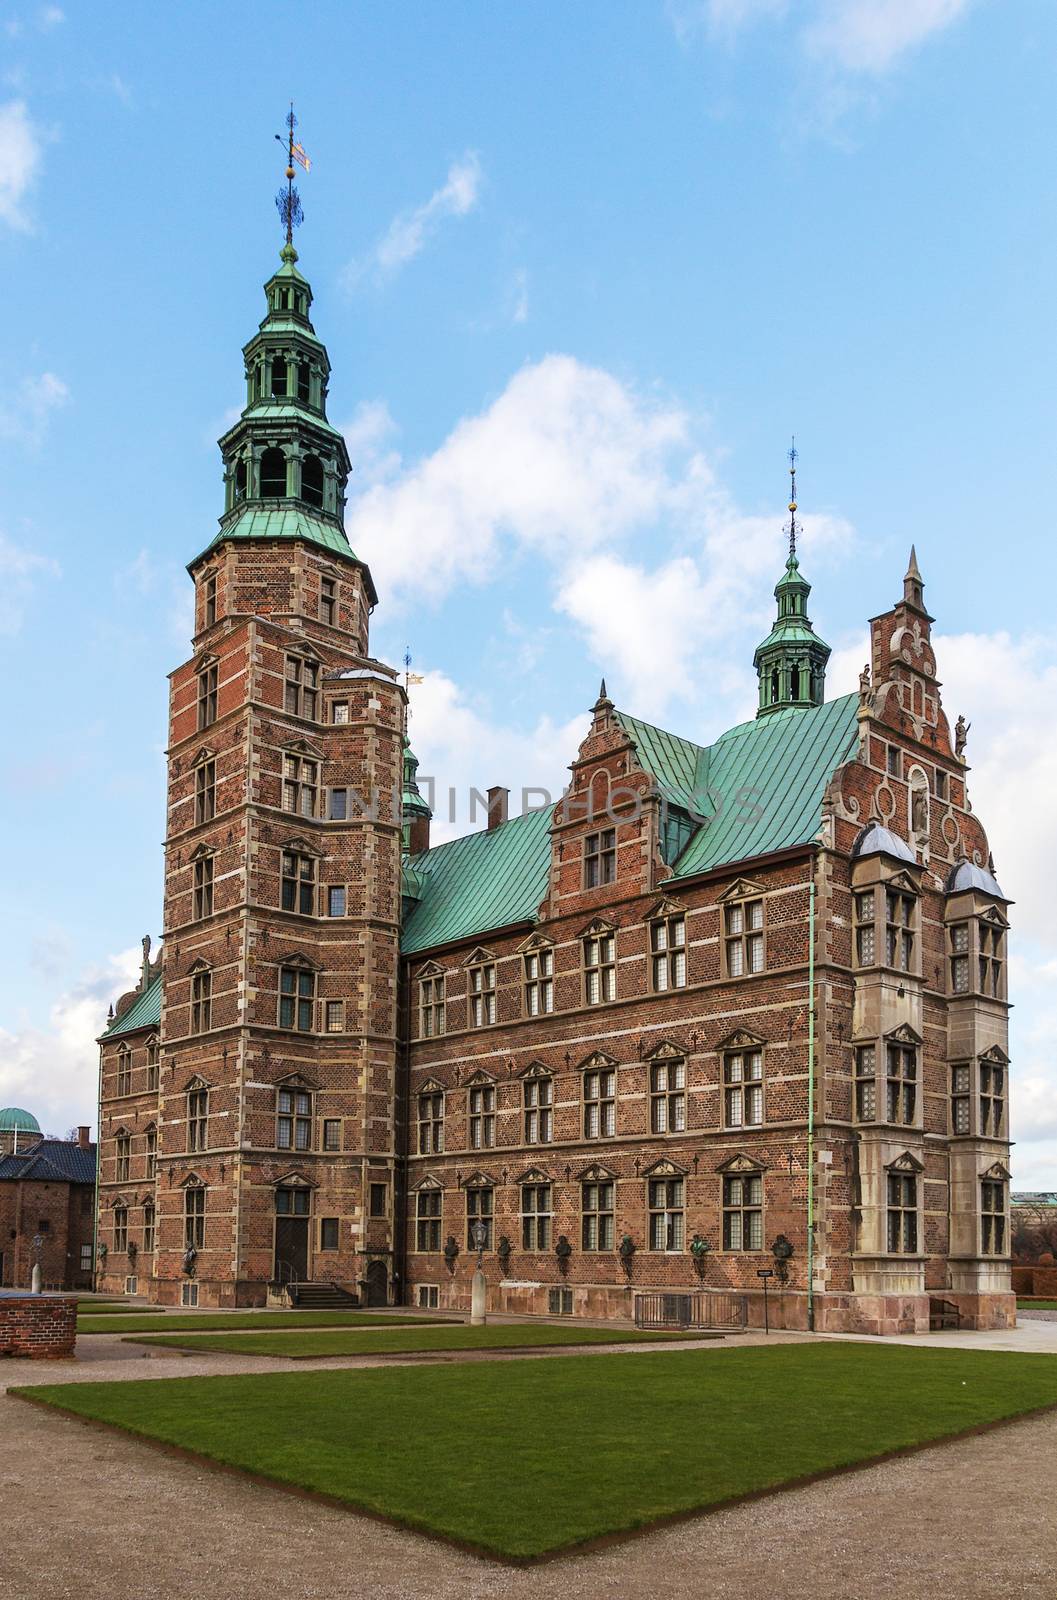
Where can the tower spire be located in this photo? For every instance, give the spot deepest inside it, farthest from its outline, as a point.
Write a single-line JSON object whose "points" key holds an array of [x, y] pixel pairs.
{"points": [[288, 201], [793, 458]]}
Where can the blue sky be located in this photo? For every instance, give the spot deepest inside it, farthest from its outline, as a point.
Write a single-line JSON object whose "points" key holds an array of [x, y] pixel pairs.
{"points": [[581, 270]]}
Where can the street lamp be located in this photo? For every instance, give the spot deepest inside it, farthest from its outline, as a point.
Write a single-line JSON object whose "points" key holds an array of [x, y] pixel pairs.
{"points": [[478, 1287], [478, 1238]]}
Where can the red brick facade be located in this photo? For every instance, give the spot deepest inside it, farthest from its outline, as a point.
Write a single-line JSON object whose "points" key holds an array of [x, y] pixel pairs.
{"points": [[38, 1327]]}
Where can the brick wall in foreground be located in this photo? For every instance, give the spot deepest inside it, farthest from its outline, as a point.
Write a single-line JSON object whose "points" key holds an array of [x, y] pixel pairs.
{"points": [[38, 1327]]}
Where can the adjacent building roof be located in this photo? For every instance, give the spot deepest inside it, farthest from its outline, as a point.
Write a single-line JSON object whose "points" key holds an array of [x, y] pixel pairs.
{"points": [[144, 1013], [14, 1120], [756, 790], [51, 1161]]}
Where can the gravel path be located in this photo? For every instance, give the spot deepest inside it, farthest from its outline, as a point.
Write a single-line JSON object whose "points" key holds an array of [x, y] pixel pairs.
{"points": [[101, 1517]]}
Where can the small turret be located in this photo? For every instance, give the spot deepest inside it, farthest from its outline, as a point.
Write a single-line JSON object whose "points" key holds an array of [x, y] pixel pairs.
{"points": [[791, 661], [414, 809]]}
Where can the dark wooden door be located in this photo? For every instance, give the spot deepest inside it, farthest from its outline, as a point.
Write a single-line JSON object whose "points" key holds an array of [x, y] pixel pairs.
{"points": [[291, 1249], [377, 1284]]}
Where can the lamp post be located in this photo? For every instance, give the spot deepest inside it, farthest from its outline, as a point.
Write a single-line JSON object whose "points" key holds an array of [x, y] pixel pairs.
{"points": [[478, 1286], [765, 1273]]}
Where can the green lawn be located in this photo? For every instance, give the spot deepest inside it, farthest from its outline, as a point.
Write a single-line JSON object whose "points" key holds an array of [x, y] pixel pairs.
{"points": [[205, 1321], [521, 1458], [114, 1308], [387, 1340], [1037, 1305]]}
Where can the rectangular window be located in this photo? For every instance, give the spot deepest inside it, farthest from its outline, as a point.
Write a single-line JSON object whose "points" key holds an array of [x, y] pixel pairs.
{"points": [[895, 761], [148, 1228], [596, 1205], [600, 968], [743, 1089], [431, 1123], [152, 1152], [203, 896], [427, 1219], [902, 1214], [960, 1097], [328, 600], [958, 939], [479, 1208], [866, 1083], [899, 930], [600, 1103], [205, 792], [428, 1297], [298, 884], [293, 1123], [198, 1119], [210, 593], [538, 1095], [559, 1302], [668, 950], [743, 1212], [482, 1116], [600, 858], [539, 982], [379, 1199], [431, 1011], [992, 1098], [194, 1218], [666, 1214], [993, 1217], [482, 995], [292, 1202], [339, 713], [300, 786], [124, 1070], [744, 938], [336, 900], [337, 805], [188, 1294], [865, 928], [152, 1064], [86, 1258], [207, 696], [668, 1097], [334, 1019], [124, 1150], [940, 785], [120, 1228], [201, 1002], [302, 687], [332, 1133], [991, 958], [328, 1233], [902, 1065], [297, 998], [536, 1216]]}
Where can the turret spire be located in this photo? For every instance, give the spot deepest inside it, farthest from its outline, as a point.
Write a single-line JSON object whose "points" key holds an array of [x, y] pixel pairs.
{"points": [[791, 661], [288, 201]]}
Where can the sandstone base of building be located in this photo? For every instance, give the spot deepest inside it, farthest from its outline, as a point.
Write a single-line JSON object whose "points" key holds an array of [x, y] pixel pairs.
{"points": [[38, 1327]]}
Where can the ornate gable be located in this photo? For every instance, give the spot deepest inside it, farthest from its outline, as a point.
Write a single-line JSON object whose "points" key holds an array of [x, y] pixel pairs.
{"points": [[478, 1180], [741, 1163], [597, 1173], [478, 1077], [665, 1168], [534, 1175], [295, 1180], [666, 1050], [998, 1171], [297, 958], [596, 1060], [907, 1162], [535, 941], [742, 889], [996, 1056], [994, 916], [741, 1039], [431, 1086], [904, 1034], [536, 1069], [197, 1082], [477, 957], [207, 753], [432, 969], [301, 846], [429, 1181], [596, 926], [902, 880], [665, 907], [297, 1080]]}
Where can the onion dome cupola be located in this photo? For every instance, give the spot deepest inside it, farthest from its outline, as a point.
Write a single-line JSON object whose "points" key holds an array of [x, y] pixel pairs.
{"points": [[791, 661]]}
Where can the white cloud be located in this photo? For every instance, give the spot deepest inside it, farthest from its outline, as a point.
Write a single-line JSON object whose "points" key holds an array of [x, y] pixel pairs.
{"points": [[369, 440], [410, 231], [19, 571], [865, 37], [27, 415], [22, 143], [53, 1071], [50, 17]]}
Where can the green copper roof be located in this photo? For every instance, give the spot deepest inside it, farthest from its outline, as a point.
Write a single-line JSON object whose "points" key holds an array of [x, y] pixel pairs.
{"points": [[14, 1120], [760, 786], [144, 1013], [284, 519], [282, 411], [483, 881]]}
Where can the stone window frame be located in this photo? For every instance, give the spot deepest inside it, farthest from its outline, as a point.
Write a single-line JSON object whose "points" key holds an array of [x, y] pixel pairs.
{"points": [[196, 1113], [597, 1210], [536, 1212], [903, 1077], [864, 926], [375, 1210], [666, 1201], [742, 934], [889, 879], [200, 1016], [432, 1001], [150, 1226], [329, 1229], [209, 597], [479, 1193], [301, 1116], [961, 1098], [744, 1205], [153, 1051], [203, 864], [332, 1141], [537, 1105], [120, 1222], [194, 1213], [537, 974], [329, 890], [207, 700], [205, 771], [481, 1112], [124, 1071], [594, 1098], [903, 1199], [333, 1016], [482, 984], [299, 774], [598, 945], [747, 1050], [328, 599], [995, 1220], [150, 1148], [666, 1068], [302, 685], [600, 858], [122, 1155], [975, 940], [429, 1216], [668, 954], [296, 884], [992, 1068], [430, 1108], [298, 1000]]}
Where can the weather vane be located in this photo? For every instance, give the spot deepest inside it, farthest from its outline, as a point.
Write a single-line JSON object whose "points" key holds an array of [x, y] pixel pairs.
{"points": [[793, 459], [288, 201], [409, 676]]}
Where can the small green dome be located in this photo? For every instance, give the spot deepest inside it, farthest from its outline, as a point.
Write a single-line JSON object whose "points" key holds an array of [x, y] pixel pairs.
{"points": [[15, 1120]]}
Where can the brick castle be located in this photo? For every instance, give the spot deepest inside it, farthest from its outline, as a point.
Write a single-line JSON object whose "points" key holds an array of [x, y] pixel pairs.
{"points": [[721, 1010]]}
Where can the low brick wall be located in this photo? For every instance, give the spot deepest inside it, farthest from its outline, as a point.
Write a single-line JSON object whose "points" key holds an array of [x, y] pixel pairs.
{"points": [[39, 1327], [1040, 1281]]}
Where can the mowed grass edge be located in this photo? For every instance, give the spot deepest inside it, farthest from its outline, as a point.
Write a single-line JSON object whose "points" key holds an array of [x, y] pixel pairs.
{"points": [[234, 1321], [523, 1460], [306, 1344]]}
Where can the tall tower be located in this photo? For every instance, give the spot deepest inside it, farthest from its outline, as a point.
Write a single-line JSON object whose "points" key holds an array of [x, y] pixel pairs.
{"points": [[275, 1140], [791, 661]]}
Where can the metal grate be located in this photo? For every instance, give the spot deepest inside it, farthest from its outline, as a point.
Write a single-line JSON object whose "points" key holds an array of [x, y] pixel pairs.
{"points": [[707, 1308]]}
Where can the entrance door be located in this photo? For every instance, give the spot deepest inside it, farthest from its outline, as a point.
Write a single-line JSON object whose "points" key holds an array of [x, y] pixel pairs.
{"points": [[377, 1284], [291, 1249]]}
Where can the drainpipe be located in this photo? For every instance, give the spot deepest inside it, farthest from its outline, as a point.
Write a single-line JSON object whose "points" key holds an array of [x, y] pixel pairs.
{"points": [[811, 1101], [98, 1155]]}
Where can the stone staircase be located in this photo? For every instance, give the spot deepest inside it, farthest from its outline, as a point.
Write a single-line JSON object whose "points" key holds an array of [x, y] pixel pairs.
{"points": [[321, 1297]]}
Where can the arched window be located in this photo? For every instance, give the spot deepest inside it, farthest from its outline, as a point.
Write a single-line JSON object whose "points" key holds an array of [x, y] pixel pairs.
{"points": [[312, 481], [303, 376], [774, 686], [240, 479], [273, 475], [279, 375], [796, 683]]}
